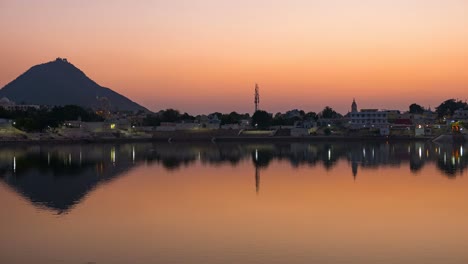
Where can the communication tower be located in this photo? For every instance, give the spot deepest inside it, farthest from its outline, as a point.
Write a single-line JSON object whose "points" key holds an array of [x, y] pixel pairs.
{"points": [[257, 98]]}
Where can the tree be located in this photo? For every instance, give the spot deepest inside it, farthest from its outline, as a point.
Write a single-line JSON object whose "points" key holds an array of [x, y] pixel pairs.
{"points": [[187, 117], [217, 114], [152, 120], [416, 109], [302, 113], [262, 119], [311, 116], [232, 118], [170, 115], [448, 107], [328, 112], [278, 120], [40, 119]]}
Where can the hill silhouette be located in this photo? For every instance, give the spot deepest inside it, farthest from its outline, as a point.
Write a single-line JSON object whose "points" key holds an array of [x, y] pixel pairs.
{"points": [[61, 83]]}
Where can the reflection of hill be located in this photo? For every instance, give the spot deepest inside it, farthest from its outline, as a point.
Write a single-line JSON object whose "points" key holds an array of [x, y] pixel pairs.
{"points": [[59, 177]]}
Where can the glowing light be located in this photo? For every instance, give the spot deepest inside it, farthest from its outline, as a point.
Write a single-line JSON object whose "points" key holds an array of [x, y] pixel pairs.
{"points": [[112, 155], [14, 164], [329, 154], [256, 155], [133, 154], [420, 153], [445, 158], [112, 126], [461, 151], [364, 152]]}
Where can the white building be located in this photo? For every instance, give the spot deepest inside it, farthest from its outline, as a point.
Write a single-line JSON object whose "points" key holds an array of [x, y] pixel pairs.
{"points": [[367, 117], [460, 114], [209, 122], [9, 105]]}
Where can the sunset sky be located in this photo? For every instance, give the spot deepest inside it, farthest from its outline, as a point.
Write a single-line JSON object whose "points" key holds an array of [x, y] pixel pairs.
{"points": [[201, 56]]}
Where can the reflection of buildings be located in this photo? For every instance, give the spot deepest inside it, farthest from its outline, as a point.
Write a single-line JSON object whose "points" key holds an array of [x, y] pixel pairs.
{"points": [[57, 178], [451, 159], [354, 168]]}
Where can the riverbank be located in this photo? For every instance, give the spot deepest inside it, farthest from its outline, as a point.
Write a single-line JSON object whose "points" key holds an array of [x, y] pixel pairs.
{"points": [[215, 136], [220, 139]]}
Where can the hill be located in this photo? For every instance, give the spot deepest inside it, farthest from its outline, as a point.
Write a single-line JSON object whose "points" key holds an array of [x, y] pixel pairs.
{"points": [[61, 83]]}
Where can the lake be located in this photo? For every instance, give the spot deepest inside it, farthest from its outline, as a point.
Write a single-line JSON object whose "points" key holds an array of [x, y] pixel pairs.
{"points": [[234, 203]]}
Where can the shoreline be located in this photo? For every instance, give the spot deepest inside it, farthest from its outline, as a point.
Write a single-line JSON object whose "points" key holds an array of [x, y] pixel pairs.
{"points": [[221, 139]]}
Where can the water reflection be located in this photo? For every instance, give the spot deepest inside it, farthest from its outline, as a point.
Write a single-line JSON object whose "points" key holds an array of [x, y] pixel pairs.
{"points": [[59, 177]]}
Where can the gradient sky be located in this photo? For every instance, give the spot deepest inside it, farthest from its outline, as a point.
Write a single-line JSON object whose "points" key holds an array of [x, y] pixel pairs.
{"points": [[206, 55]]}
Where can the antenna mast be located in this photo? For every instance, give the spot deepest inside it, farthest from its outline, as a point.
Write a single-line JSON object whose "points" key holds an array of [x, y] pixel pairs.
{"points": [[257, 97]]}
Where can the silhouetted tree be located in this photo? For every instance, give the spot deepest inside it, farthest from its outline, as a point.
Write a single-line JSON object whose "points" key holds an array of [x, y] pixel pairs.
{"points": [[217, 114], [278, 120], [170, 115], [416, 109], [262, 119], [187, 117], [302, 113], [328, 112], [39, 119], [232, 118], [152, 120], [448, 107], [311, 116]]}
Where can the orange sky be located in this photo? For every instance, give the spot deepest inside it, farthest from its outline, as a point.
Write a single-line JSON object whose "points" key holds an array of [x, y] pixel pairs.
{"points": [[205, 56]]}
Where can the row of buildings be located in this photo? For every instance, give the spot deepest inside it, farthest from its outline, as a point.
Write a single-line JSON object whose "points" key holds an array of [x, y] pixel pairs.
{"points": [[386, 120], [382, 122], [9, 105]]}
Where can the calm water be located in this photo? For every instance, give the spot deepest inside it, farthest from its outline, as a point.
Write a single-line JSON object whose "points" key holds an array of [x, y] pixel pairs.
{"points": [[234, 203]]}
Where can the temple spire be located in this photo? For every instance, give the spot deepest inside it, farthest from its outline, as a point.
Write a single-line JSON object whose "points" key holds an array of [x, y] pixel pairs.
{"points": [[354, 106]]}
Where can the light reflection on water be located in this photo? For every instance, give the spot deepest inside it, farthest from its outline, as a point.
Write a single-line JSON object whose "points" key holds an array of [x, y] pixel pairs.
{"points": [[234, 203]]}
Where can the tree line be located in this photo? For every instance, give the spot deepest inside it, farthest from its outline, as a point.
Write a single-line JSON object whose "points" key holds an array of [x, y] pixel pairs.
{"points": [[172, 115], [445, 109], [260, 118], [33, 120]]}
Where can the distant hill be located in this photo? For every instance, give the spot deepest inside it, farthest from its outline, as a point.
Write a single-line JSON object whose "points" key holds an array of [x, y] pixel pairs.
{"points": [[61, 83]]}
